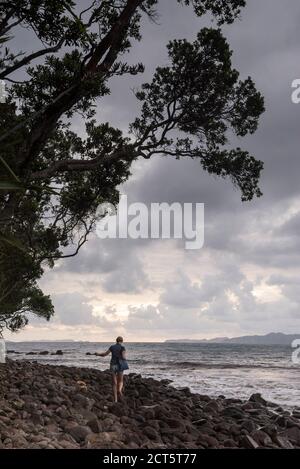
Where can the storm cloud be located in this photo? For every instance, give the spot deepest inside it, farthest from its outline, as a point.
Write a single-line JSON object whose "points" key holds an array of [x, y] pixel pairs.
{"points": [[245, 279]]}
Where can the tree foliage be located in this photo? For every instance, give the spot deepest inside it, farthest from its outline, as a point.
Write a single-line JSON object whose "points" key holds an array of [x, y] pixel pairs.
{"points": [[51, 178]]}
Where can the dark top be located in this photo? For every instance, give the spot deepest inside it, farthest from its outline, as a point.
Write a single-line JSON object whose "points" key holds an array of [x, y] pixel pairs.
{"points": [[116, 353]]}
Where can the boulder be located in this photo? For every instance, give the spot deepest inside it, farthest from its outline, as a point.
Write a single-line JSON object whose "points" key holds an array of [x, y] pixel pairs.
{"points": [[261, 438], [102, 440], [258, 399], [207, 441], [248, 442], [95, 425], [229, 443], [293, 434], [234, 412], [79, 433], [151, 433], [270, 430], [283, 442], [212, 407], [249, 425], [281, 421]]}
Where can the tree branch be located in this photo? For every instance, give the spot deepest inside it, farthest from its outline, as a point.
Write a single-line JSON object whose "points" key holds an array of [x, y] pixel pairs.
{"points": [[83, 165], [31, 57], [114, 34], [6, 20], [49, 118]]}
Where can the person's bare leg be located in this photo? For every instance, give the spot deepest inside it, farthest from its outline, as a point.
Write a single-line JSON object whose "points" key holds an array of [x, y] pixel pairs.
{"points": [[120, 384], [115, 387]]}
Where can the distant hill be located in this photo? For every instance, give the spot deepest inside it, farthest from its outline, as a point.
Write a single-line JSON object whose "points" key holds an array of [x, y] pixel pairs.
{"points": [[274, 338]]}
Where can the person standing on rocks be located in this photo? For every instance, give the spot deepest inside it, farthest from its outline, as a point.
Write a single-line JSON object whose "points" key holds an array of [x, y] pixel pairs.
{"points": [[118, 364]]}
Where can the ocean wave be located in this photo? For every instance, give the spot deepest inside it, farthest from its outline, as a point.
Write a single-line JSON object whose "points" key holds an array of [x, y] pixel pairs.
{"points": [[154, 363], [199, 365]]}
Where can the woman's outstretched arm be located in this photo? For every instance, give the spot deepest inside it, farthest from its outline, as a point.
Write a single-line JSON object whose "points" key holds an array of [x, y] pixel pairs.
{"points": [[103, 354]]}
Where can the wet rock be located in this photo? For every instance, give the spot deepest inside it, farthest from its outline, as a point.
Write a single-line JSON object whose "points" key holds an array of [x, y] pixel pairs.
{"points": [[258, 399], [278, 409], [166, 381]]}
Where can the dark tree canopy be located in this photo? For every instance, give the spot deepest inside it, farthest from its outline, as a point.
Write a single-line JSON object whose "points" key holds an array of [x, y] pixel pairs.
{"points": [[52, 179]]}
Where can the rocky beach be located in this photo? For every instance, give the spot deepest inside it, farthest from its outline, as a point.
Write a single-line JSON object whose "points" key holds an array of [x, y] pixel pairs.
{"points": [[46, 406]]}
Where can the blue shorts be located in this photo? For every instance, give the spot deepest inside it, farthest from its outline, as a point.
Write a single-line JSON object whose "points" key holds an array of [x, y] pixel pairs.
{"points": [[115, 368]]}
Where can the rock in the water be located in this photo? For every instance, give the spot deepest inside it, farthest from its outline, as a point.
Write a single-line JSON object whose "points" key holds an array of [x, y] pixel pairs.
{"points": [[257, 397]]}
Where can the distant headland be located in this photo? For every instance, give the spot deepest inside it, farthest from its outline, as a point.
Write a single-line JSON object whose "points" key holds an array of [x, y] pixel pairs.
{"points": [[274, 338]]}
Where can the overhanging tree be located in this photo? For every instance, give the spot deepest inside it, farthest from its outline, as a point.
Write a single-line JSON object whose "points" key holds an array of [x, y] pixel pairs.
{"points": [[52, 179]]}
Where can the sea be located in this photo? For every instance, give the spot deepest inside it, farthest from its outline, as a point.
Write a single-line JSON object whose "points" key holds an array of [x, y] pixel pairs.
{"points": [[213, 369]]}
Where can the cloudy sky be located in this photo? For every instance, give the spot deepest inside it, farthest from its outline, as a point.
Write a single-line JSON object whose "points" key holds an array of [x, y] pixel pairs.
{"points": [[245, 280]]}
